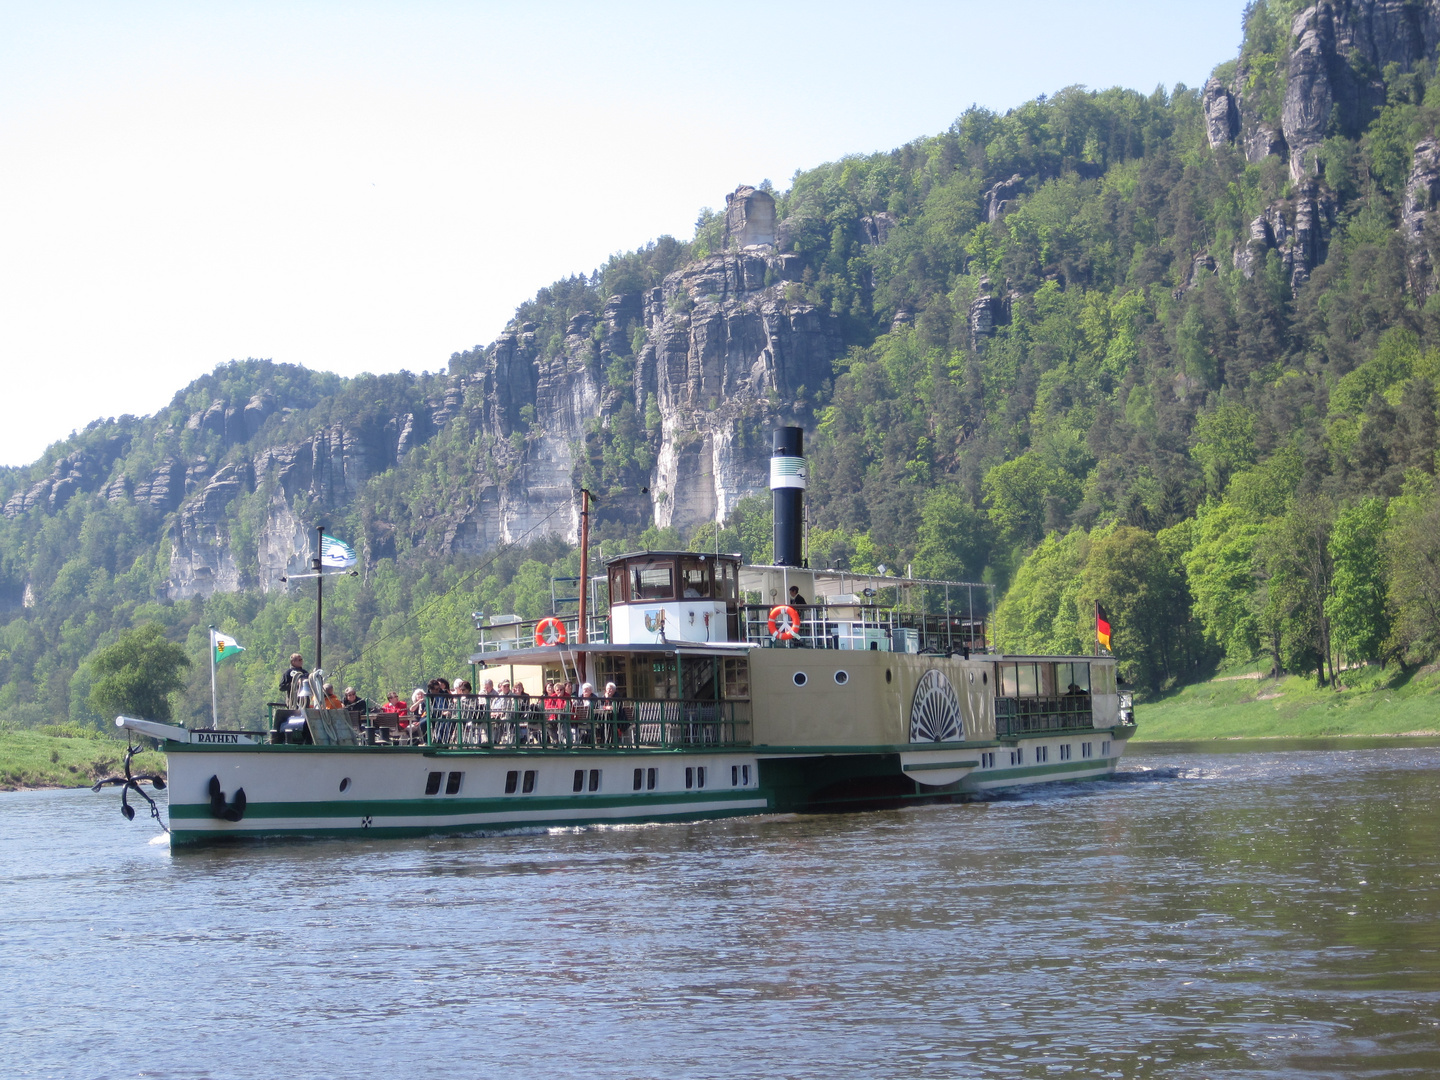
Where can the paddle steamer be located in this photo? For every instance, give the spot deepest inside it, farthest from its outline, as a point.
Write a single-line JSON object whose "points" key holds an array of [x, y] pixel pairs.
{"points": [[727, 699]]}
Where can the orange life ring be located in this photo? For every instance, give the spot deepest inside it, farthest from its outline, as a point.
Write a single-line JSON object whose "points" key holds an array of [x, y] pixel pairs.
{"points": [[549, 631], [787, 630]]}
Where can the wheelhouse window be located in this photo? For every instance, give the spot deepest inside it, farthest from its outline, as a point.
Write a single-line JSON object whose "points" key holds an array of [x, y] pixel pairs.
{"points": [[652, 581], [1072, 679], [695, 583], [618, 594], [727, 586]]}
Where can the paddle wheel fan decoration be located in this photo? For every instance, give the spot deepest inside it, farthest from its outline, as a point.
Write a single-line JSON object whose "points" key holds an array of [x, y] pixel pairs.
{"points": [[935, 712]]}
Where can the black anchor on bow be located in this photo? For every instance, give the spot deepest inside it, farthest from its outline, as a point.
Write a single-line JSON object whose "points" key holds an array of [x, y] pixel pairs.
{"points": [[231, 811], [129, 783]]}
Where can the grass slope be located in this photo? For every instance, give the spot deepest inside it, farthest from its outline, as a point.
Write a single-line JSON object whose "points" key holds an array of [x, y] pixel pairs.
{"points": [[65, 756], [1373, 702]]}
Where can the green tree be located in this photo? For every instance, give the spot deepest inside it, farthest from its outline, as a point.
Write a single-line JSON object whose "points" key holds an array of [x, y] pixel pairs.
{"points": [[1038, 612], [138, 673], [1357, 610], [1143, 591], [1220, 571], [954, 540]]}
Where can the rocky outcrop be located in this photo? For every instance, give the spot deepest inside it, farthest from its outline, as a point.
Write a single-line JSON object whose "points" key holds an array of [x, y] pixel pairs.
{"points": [[1336, 58], [1222, 118], [999, 197], [750, 217], [986, 312], [1418, 225], [1297, 229]]}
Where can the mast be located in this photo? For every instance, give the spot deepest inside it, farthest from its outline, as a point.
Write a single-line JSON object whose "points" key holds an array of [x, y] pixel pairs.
{"points": [[214, 709], [316, 564], [581, 637]]}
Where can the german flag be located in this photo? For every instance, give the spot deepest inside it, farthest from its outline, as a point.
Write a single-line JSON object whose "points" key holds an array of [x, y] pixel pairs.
{"points": [[1102, 625]]}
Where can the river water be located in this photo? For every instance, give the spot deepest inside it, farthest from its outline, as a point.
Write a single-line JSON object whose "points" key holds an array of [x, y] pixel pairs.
{"points": [[1269, 911]]}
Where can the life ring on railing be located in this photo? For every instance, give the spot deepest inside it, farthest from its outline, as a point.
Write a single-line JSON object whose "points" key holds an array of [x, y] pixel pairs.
{"points": [[549, 632], [784, 622]]}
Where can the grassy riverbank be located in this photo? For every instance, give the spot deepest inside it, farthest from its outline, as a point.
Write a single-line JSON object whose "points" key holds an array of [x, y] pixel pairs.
{"points": [[64, 756], [1238, 704]]}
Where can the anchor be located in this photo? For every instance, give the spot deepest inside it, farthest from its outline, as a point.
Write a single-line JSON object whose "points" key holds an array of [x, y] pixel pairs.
{"points": [[232, 811], [130, 782]]}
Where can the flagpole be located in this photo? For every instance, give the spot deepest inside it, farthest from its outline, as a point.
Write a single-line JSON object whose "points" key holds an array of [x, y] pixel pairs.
{"points": [[214, 710], [1096, 645]]}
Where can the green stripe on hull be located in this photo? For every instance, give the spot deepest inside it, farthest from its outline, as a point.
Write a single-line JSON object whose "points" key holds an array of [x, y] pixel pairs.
{"points": [[439, 805]]}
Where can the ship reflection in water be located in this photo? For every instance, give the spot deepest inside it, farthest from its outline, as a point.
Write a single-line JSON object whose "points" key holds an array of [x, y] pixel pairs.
{"points": [[1267, 913]]}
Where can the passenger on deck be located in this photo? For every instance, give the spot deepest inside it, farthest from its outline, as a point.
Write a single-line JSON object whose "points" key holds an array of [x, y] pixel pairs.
{"points": [[292, 680], [796, 600], [395, 705], [331, 701], [354, 703]]}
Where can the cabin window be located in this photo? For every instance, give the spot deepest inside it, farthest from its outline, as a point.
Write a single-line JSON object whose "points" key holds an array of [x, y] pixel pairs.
{"points": [[639, 779], [432, 783], [655, 678], [1103, 676], [613, 667], [452, 783], [745, 775], [512, 781], [579, 784], [700, 776], [1105, 748], [1072, 679], [1042, 754], [689, 777], [737, 678], [1065, 751], [695, 579], [529, 785], [1017, 757], [617, 584], [594, 779], [652, 581], [1087, 749], [734, 775], [650, 775], [698, 678]]}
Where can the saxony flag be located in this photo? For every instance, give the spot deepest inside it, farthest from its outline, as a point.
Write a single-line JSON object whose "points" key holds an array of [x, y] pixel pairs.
{"points": [[223, 646], [1102, 625], [336, 553]]}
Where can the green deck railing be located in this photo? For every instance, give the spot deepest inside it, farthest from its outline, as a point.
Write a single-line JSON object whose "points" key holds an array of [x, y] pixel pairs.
{"points": [[474, 722]]}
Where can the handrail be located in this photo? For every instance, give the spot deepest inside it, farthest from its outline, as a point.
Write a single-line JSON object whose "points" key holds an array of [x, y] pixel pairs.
{"points": [[475, 721], [1018, 716], [871, 626]]}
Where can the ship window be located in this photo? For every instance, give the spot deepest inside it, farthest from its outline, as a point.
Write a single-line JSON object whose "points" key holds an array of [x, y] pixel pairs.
{"points": [[841, 678], [1072, 679], [529, 785], [1105, 748], [1028, 680], [1065, 749], [984, 678], [725, 586], [594, 779], [700, 776], [695, 579], [452, 783], [650, 779], [800, 678], [737, 678], [745, 775], [1042, 754], [639, 779], [697, 678], [652, 581], [579, 780], [345, 784], [734, 775], [613, 667], [888, 676], [432, 783], [1087, 749], [617, 584], [690, 778], [512, 781], [1017, 757]]}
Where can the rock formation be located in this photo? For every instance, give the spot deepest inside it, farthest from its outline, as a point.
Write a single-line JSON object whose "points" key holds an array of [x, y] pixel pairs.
{"points": [[750, 217]]}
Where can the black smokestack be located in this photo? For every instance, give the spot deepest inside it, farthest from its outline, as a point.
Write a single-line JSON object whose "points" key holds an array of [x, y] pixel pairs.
{"points": [[787, 489]]}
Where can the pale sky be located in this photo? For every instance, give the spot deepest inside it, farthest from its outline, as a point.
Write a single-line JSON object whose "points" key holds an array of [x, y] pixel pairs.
{"points": [[373, 186]]}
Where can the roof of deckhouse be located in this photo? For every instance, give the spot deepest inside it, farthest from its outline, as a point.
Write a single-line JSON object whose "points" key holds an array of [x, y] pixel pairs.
{"points": [[544, 654]]}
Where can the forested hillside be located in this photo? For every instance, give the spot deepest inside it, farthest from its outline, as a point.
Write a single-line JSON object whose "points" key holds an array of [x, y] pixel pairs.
{"points": [[1177, 352]]}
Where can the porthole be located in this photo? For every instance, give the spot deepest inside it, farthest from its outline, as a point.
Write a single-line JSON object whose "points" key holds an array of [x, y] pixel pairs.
{"points": [[345, 784], [984, 678], [841, 678], [800, 678], [888, 676]]}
